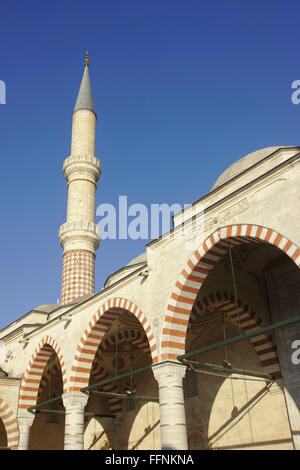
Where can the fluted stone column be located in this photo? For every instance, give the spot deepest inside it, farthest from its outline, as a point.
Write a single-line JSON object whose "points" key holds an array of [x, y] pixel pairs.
{"points": [[74, 403], [25, 421], [171, 402]]}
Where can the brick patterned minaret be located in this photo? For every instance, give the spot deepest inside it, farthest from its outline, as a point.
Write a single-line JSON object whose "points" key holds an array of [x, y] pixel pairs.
{"points": [[79, 236]]}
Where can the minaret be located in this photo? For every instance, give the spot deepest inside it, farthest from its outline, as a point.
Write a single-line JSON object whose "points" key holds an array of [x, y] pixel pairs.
{"points": [[79, 236]]}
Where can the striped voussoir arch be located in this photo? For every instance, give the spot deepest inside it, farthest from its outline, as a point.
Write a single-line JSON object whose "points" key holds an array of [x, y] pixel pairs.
{"points": [[93, 334], [9, 420], [198, 268], [102, 374], [138, 339], [32, 377], [248, 320], [47, 376]]}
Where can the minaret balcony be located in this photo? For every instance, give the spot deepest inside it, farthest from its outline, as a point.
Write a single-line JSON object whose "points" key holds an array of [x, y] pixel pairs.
{"points": [[82, 234], [88, 166]]}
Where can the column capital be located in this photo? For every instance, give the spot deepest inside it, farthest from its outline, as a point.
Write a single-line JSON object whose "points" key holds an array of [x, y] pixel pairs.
{"points": [[169, 372], [74, 400]]}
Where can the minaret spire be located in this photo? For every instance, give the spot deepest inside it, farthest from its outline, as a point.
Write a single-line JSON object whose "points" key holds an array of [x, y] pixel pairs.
{"points": [[85, 95], [79, 236]]}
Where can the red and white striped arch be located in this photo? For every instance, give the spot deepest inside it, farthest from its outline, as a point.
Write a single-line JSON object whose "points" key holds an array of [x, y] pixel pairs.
{"points": [[115, 403], [50, 372], [248, 320], [9, 420], [92, 337], [198, 268], [99, 372], [32, 377], [138, 339]]}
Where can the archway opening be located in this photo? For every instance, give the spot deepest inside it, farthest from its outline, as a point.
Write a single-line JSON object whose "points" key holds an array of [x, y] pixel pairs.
{"points": [[47, 430], [253, 285], [123, 349]]}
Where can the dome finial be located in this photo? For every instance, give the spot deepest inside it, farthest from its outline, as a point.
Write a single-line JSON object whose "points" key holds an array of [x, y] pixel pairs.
{"points": [[86, 60]]}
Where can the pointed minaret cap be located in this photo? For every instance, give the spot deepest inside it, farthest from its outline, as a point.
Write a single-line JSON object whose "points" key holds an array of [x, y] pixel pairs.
{"points": [[85, 95]]}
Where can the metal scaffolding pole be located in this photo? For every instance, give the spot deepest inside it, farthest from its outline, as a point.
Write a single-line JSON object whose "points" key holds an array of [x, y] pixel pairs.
{"points": [[228, 370], [123, 396], [34, 408], [236, 339], [86, 413]]}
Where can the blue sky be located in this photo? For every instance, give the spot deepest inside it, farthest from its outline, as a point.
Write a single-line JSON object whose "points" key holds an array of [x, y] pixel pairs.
{"points": [[182, 89]]}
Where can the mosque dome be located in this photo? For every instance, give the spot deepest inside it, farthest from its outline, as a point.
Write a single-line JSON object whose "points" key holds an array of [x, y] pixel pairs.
{"points": [[244, 164]]}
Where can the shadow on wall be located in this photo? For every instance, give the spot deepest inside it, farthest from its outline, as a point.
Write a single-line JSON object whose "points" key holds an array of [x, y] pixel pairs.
{"points": [[233, 412], [3, 437]]}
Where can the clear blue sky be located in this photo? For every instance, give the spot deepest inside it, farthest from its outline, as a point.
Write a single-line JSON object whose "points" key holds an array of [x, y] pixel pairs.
{"points": [[182, 89]]}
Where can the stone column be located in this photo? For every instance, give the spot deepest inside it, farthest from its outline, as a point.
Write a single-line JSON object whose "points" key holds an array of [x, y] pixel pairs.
{"points": [[24, 422], [171, 403], [74, 403]]}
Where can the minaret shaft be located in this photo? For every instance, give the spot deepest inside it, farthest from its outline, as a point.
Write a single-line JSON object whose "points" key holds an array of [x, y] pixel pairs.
{"points": [[83, 132], [82, 184], [79, 236], [81, 201]]}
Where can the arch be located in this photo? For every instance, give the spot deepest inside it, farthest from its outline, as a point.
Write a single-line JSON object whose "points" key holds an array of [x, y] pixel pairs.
{"points": [[10, 423], [47, 376], [137, 337], [139, 340], [198, 268], [92, 336], [249, 321], [197, 431], [33, 374]]}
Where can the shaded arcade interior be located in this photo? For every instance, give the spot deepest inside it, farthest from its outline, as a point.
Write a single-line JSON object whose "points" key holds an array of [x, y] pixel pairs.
{"points": [[3, 436], [253, 285], [114, 417]]}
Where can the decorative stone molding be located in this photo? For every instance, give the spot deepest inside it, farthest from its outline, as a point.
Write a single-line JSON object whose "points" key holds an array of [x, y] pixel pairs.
{"points": [[86, 235], [235, 209], [82, 164], [74, 401], [80, 225], [169, 373]]}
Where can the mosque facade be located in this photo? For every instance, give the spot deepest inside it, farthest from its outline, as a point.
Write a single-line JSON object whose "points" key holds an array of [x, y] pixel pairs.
{"points": [[195, 344]]}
